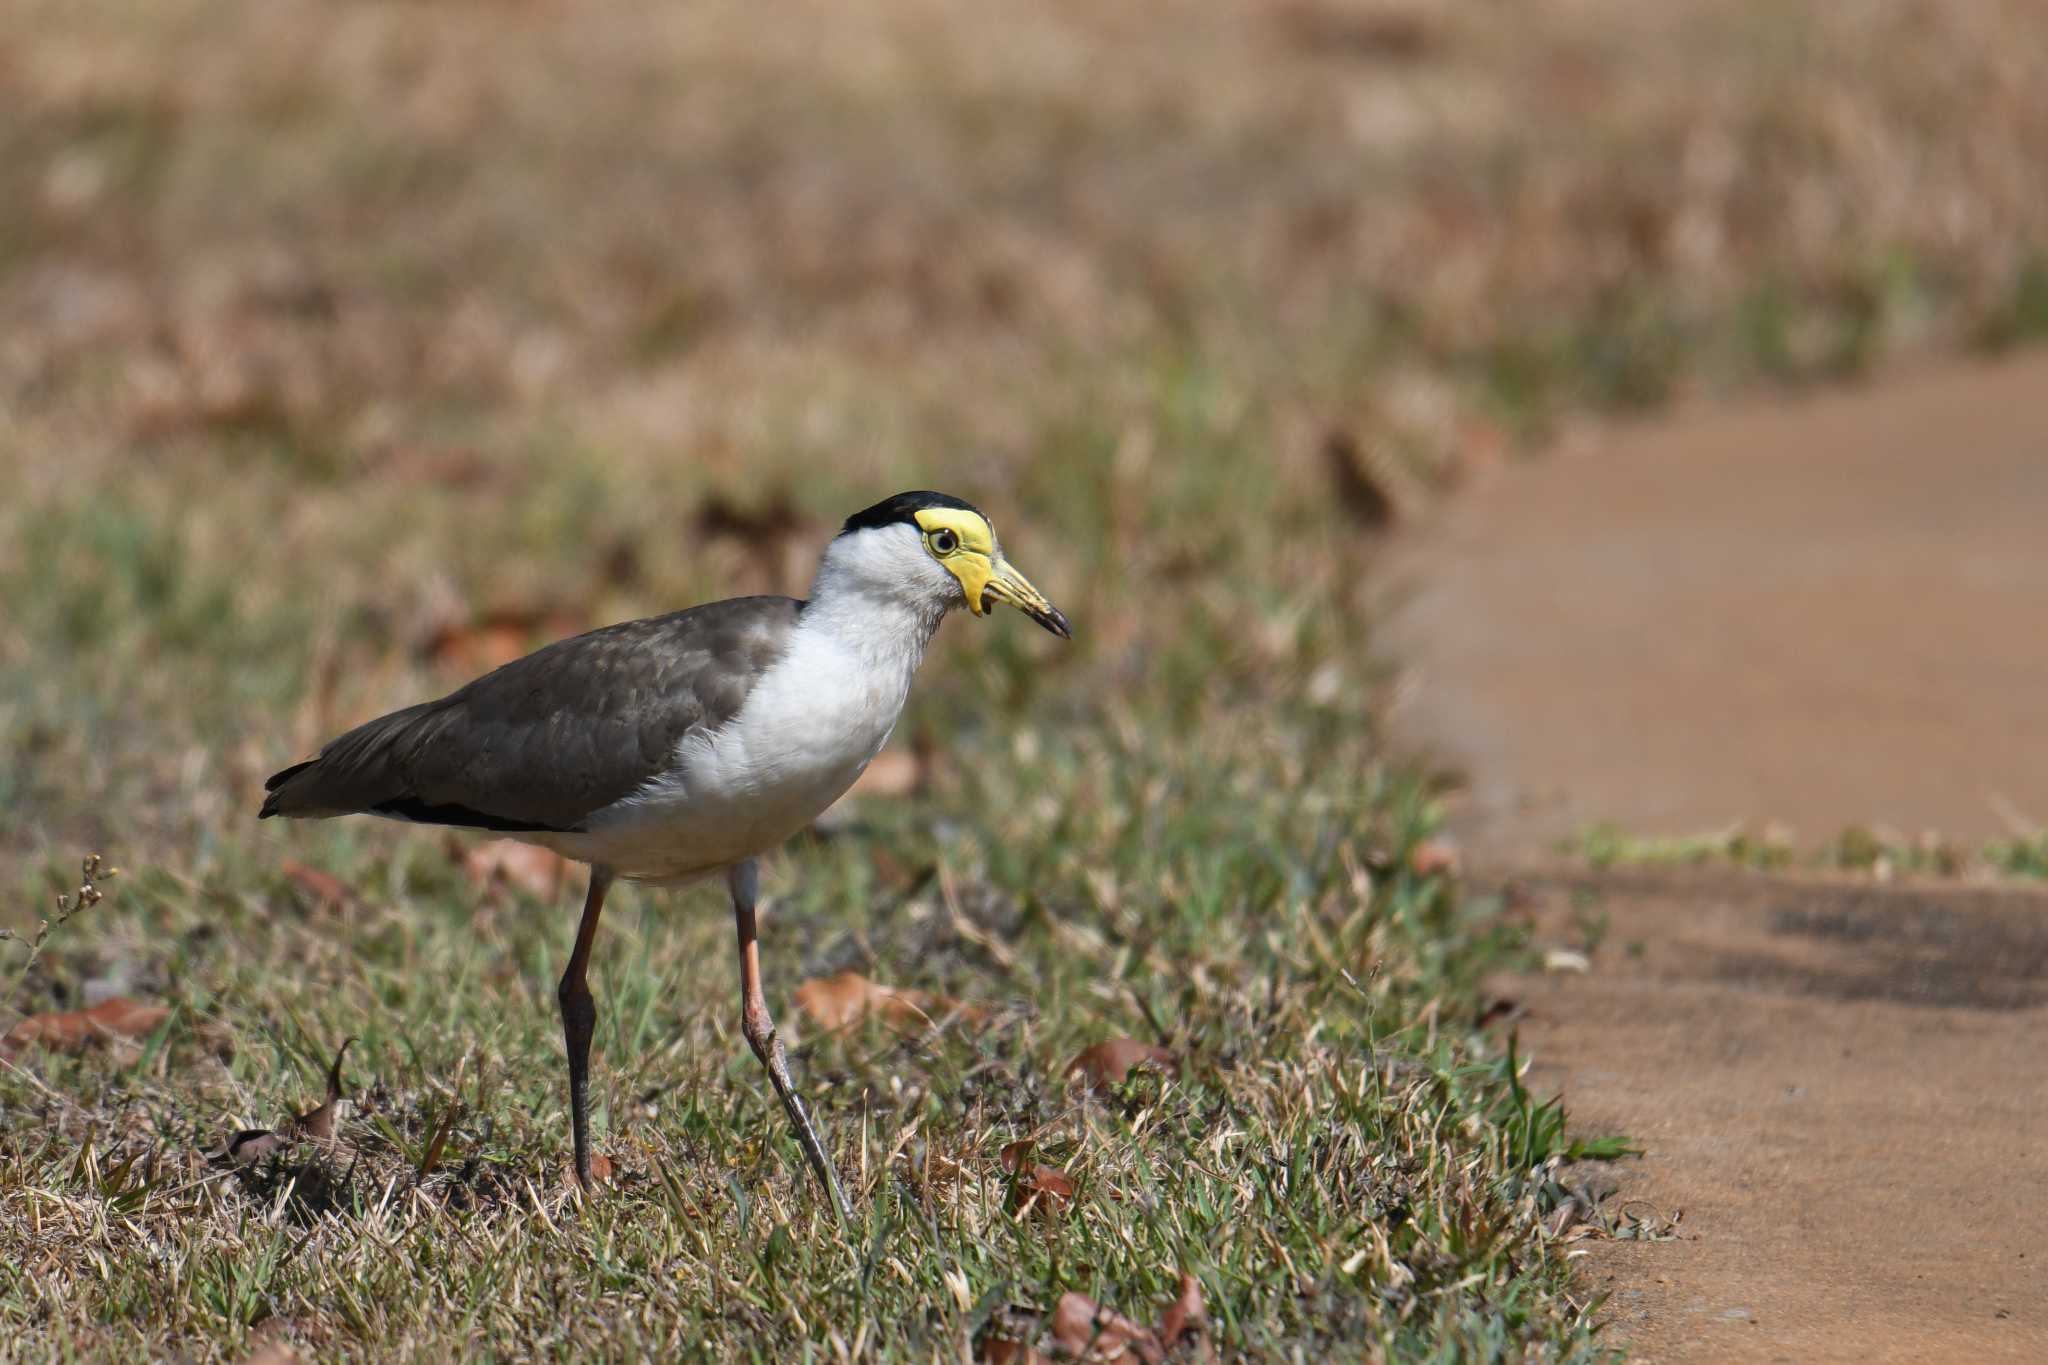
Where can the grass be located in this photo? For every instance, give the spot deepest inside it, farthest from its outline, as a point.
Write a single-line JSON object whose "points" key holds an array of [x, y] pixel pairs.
{"points": [[1182, 830], [1879, 853], [1336, 1159], [341, 341]]}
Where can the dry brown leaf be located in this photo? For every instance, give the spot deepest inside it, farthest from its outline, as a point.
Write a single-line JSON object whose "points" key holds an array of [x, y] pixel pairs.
{"points": [[1047, 1188], [1005, 1351], [1186, 1323], [328, 892], [1084, 1330], [893, 874], [894, 772], [719, 516], [1497, 1009], [252, 1145], [1052, 1189], [69, 1030], [600, 1170], [1110, 1061], [437, 466], [274, 1334], [539, 871], [1359, 482], [496, 637], [1379, 33], [1087, 1331], [837, 1002], [1434, 856], [318, 1124], [892, 775]]}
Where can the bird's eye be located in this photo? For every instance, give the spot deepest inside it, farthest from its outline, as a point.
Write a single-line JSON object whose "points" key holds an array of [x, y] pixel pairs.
{"points": [[944, 542]]}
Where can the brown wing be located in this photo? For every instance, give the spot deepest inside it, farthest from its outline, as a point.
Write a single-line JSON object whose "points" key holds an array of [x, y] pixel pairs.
{"points": [[547, 740]]}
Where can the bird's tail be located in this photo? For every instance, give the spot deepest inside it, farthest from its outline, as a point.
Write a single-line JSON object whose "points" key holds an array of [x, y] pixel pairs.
{"points": [[276, 785]]}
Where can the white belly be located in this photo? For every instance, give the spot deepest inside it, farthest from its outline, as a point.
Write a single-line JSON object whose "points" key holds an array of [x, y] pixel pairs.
{"points": [[806, 732]]}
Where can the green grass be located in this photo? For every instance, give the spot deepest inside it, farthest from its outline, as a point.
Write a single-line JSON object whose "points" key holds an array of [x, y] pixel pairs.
{"points": [[1339, 1160], [1855, 849], [1180, 828]]}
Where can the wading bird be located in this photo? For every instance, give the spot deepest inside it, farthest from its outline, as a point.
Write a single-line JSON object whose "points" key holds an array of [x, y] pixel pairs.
{"points": [[684, 746]]}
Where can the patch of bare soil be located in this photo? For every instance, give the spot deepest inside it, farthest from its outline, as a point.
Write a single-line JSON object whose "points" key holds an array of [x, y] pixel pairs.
{"points": [[1842, 1088], [1823, 613]]}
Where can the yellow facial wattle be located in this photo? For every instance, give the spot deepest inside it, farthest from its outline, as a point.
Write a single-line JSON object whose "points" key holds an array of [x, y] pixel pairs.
{"points": [[965, 544]]}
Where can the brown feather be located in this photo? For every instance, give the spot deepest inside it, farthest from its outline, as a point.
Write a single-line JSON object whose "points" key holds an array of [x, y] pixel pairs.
{"points": [[548, 740]]}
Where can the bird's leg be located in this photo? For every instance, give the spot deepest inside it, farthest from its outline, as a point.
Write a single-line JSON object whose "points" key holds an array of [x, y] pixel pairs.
{"points": [[579, 1017], [760, 1031]]}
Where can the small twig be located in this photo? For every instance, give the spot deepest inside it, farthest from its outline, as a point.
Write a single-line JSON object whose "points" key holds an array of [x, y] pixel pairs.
{"points": [[85, 898]]}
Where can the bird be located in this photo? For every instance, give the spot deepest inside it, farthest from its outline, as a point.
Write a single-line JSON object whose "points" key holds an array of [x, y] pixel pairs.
{"points": [[683, 747]]}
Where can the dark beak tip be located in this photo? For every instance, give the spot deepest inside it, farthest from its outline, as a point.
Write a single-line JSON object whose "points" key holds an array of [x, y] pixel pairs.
{"points": [[1056, 621]]}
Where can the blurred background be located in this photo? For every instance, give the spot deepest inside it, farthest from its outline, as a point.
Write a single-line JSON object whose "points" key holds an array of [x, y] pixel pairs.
{"points": [[348, 348]]}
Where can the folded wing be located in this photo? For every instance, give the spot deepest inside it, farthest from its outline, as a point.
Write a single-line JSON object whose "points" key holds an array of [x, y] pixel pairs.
{"points": [[548, 740]]}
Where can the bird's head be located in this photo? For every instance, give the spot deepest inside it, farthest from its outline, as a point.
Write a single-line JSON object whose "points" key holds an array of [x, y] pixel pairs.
{"points": [[937, 549]]}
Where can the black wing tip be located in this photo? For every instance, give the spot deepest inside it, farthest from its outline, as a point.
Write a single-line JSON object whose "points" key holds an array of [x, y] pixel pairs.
{"points": [[273, 804], [284, 775]]}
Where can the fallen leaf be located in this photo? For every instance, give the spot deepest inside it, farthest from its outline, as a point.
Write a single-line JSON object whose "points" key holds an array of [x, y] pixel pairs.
{"points": [[318, 1124], [837, 1002], [1107, 1063], [1047, 1188], [1186, 1321], [67, 1031], [1360, 482], [892, 873], [1087, 1331], [1381, 33], [328, 891], [718, 516], [439, 1141], [600, 1170], [1004, 1351], [1566, 960], [270, 1341], [894, 772], [892, 775], [1434, 856], [436, 466], [1084, 1330], [496, 637], [252, 1145], [539, 871], [1497, 1009]]}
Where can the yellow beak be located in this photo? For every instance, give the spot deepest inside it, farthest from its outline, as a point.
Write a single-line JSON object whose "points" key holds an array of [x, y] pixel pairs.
{"points": [[1005, 584]]}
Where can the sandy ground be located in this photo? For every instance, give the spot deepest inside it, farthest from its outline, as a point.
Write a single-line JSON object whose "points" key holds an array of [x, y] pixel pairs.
{"points": [[1825, 613], [1820, 613], [1843, 1091]]}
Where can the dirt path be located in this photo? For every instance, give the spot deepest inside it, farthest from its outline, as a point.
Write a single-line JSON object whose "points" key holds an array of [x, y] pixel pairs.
{"points": [[1828, 613], [1843, 1088], [1821, 613]]}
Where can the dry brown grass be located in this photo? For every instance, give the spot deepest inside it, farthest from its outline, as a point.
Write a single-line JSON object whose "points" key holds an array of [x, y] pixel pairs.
{"points": [[395, 297]]}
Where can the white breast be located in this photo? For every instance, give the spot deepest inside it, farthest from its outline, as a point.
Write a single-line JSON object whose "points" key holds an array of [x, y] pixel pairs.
{"points": [[806, 731]]}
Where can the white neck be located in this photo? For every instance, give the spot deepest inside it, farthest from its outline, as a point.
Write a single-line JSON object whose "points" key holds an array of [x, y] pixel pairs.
{"points": [[885, 632], [880, 598]]}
